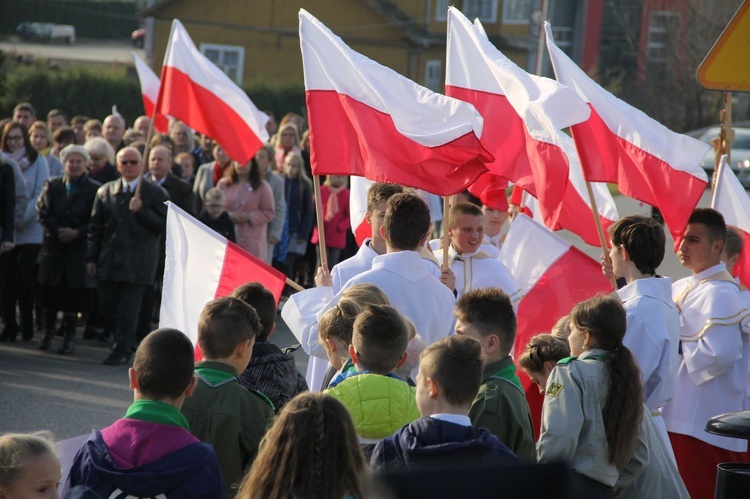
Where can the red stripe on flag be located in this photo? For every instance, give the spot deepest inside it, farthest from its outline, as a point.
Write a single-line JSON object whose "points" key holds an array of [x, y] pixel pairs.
{"points": [[490, 189], [204, 111], [162, 123], [742, 269], [607, 157], [348, 137], [362, 232], [241, 267]]}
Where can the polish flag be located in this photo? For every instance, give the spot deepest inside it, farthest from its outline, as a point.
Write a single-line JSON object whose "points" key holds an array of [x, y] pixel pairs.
{"points": [[202, 265], [620, 144], [490, 189], [369, 121], [731, 200], [523, 113], [577, 214], [358, 208], [195, 91], [553, 276], [150, 92]]}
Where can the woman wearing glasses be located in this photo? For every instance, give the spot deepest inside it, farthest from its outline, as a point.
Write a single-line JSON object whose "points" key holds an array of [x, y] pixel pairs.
{"points": [[21, 280]]}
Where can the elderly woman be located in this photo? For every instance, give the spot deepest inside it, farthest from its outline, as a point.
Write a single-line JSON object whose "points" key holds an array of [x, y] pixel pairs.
{"points": [[101, 164], [41, 140], [21, 278], [64, 209], [183, 137]]}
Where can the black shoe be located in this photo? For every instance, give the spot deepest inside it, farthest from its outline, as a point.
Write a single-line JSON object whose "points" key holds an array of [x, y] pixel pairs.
{"points": [[68, 346], [116, 359], [46, 341]]}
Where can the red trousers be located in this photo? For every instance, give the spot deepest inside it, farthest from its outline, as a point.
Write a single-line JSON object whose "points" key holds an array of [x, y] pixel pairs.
{"points": [[697, 462]]}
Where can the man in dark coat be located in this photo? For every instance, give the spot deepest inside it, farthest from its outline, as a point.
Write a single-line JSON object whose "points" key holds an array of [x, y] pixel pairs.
{"points": [[181, 194], [123, 248]]}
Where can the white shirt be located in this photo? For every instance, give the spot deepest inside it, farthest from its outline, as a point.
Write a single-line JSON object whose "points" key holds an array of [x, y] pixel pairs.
{"points": [[712, 374], [480, 270], [494, 241], [130, 186], [413, 291], [459, 419], [434, 246]]}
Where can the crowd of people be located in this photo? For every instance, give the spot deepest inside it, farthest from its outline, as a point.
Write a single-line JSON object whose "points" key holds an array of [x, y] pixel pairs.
{"points": [[414, 364]]}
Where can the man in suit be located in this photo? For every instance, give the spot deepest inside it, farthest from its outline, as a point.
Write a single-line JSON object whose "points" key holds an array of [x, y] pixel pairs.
{"points": [[123, 248], [181, 194]]}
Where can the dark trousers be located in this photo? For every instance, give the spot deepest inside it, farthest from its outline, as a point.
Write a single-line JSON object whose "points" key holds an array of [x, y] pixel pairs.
{"points": [[19, 287], [120, 304]]}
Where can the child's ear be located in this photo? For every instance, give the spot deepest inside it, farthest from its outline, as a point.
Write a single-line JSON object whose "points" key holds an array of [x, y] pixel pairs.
{"points": [[547, 367], [433, 389], [191, 387], [331, 344], [368, 219], [402, 361], [133, 378], [493, 343], [353, 354]]}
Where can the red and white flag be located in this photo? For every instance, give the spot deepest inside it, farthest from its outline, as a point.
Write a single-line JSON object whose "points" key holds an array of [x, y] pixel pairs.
{"points": [[553, 276], [490, 189], [732, 201], [150, 92], [523, 113], [202, 265], [358, 208], [577, 213], [367, 120], [620, 144], [194, 90]]}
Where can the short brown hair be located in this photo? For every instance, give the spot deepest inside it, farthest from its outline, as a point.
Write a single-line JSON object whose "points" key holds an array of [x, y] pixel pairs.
{"points": [[262, 300], [459, 209], [380, 338], [489, 310], [643, 238], [380, 192], [734, 244], [64, 134], [455, 364], [164, 364], [223, 324], [338, 322], [543, 348], [407, 220]]}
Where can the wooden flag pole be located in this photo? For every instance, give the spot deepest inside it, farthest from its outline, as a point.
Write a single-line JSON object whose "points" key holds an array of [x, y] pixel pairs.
{"points": [[319, 215], [294, 285], [726, 136], [446, 235], [146, 151]]}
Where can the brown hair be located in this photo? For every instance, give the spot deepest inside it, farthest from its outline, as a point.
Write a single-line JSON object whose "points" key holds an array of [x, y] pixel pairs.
{"points": [[40, 125], [366, 293], [19, 450], [455, 364], [164, 364], [407, 220], [255, 176], [734, 244], [262, 300], [11, 125], [380, 338], [489, 310], [380, 192], [223, 324], [465, 208], [714, 222], [643, 238], [540, 349], [603, 317], [338, 322], [312, 450], [561, 329]]}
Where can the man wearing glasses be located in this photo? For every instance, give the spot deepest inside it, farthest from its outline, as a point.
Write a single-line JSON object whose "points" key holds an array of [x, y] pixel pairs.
{"points": [[123, 248]]}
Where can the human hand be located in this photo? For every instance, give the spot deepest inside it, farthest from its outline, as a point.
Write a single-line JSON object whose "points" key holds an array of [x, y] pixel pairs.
{"points": [[67, 234], [91, 269], [448, 278], [135, 204], [7, 246], [323, 277], [273, 240], [608, 268]]}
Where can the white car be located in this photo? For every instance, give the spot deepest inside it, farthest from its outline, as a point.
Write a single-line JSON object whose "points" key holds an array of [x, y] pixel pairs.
{"points": [[740, 154]]}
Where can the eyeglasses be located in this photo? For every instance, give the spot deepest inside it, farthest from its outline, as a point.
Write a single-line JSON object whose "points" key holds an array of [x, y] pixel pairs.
{"points": [[14, 137], [129, 161]]}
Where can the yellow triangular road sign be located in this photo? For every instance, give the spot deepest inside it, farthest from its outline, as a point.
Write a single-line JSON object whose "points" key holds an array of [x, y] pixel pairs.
{"points": [[727, 65]]}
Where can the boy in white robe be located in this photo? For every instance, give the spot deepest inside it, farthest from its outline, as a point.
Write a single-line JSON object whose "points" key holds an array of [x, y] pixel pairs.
{"points": [[711, 377]]}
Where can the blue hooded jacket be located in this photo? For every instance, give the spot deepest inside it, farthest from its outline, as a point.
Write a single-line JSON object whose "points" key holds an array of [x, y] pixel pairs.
{"points": [[190, 472], [429, 442]]}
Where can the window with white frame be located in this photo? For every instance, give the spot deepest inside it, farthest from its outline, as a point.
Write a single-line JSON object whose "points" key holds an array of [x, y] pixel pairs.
{"points": [[485, 10], [517, 11], [229, 58], [564, 38], [433, 72], [441, 9], [663, 28]]}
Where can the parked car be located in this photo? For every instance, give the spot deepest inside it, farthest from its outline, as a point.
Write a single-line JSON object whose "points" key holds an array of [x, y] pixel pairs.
{"points": [[47, 32], [740, 154], [138, 37]]}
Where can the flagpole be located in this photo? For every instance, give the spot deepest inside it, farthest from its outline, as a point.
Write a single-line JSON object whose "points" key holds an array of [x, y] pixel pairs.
{"points": [[292, 284], [446, 225], [717, 176], [319, 216]]}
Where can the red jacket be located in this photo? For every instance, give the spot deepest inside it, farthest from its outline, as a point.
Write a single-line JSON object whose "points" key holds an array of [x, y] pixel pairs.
{"points": [[336, 228]]}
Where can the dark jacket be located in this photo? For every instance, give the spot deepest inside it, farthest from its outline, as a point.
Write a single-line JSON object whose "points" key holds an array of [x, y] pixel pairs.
{"points": [[273, 373], [429, 442], [222, 225], [57, 210], [7, 202], [190, 472], [180, 192], [299, 198], [123, 244], [107, 174]]}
